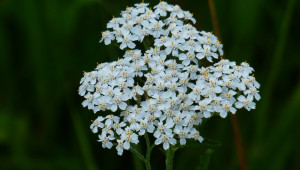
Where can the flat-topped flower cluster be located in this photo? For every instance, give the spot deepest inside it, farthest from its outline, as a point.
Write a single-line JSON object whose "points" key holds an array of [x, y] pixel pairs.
{"points": [[168, 88]]}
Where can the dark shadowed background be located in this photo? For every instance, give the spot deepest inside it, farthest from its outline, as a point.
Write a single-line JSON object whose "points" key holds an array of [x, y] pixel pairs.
{"points": [[46, 44]]}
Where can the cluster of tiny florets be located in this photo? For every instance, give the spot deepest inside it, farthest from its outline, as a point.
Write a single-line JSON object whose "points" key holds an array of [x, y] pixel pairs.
{"points": [[168, 88]]}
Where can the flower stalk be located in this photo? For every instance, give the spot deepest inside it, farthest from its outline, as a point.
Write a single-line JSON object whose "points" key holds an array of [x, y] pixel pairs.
{"points": [[170, 157], [148, 153]]}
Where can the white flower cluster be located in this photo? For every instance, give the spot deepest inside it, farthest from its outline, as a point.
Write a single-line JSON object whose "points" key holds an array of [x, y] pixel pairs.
{"points": [[164, 90]]}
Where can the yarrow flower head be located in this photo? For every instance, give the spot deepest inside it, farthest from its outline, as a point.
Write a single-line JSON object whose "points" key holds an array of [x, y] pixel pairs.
{"points": [[167, 88]]}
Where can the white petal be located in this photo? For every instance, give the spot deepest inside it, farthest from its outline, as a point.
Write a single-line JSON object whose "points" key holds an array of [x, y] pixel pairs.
{"points": [[122, 105], [223, 114], [120, 151], [126, 145], [107, 41], [218, 89], [150, 129], [156, 134], [209, 59], [95, 129], [257, 96], [200, 139], [109, 145], [142, 132], [207, 114], [182, 141], [158, 141], [186, 62], [214, 55], [233, 110], [122, 46], [172, 141], [175, 52], [131, 45], [239, 105], [168, 50], [166, 145], [85, 103], [182, 56], [160, 107], [114, 107], [200, 55], [252, 105], [241, 98]]}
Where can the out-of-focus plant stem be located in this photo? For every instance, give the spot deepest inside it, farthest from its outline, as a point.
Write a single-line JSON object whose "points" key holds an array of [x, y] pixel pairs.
{"points": [[238, 142], [81, 135], [83, 142], [214, 18], [276, 63], [234, 121]]}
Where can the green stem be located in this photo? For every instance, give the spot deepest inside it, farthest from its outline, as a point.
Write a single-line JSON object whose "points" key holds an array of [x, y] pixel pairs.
{"points": [[137, 162], [148, 154], [137, 153], [146, 159], [169, 158]]}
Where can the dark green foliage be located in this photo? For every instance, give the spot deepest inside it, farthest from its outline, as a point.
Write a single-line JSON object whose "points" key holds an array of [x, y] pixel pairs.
{"points": [[46, 44], [204, 160]]}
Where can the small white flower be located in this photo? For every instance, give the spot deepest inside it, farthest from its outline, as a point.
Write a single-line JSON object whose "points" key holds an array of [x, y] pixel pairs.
{"points": [[205, 107], [172, 47], [97, 124], [120, 146], [166, 139], [195, 135], [182, 133], [157, 26], [107, 37], [126, 41], [105, 140], [189, 16], [117, 103], [164, 128], [206, 52], [245, 102], [162, 8], [88, 101], [177, 12], [252, 92], [225, 108]]}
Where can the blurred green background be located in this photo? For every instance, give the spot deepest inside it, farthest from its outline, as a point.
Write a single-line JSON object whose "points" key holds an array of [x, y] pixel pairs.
{"points": [[46, 44]]}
